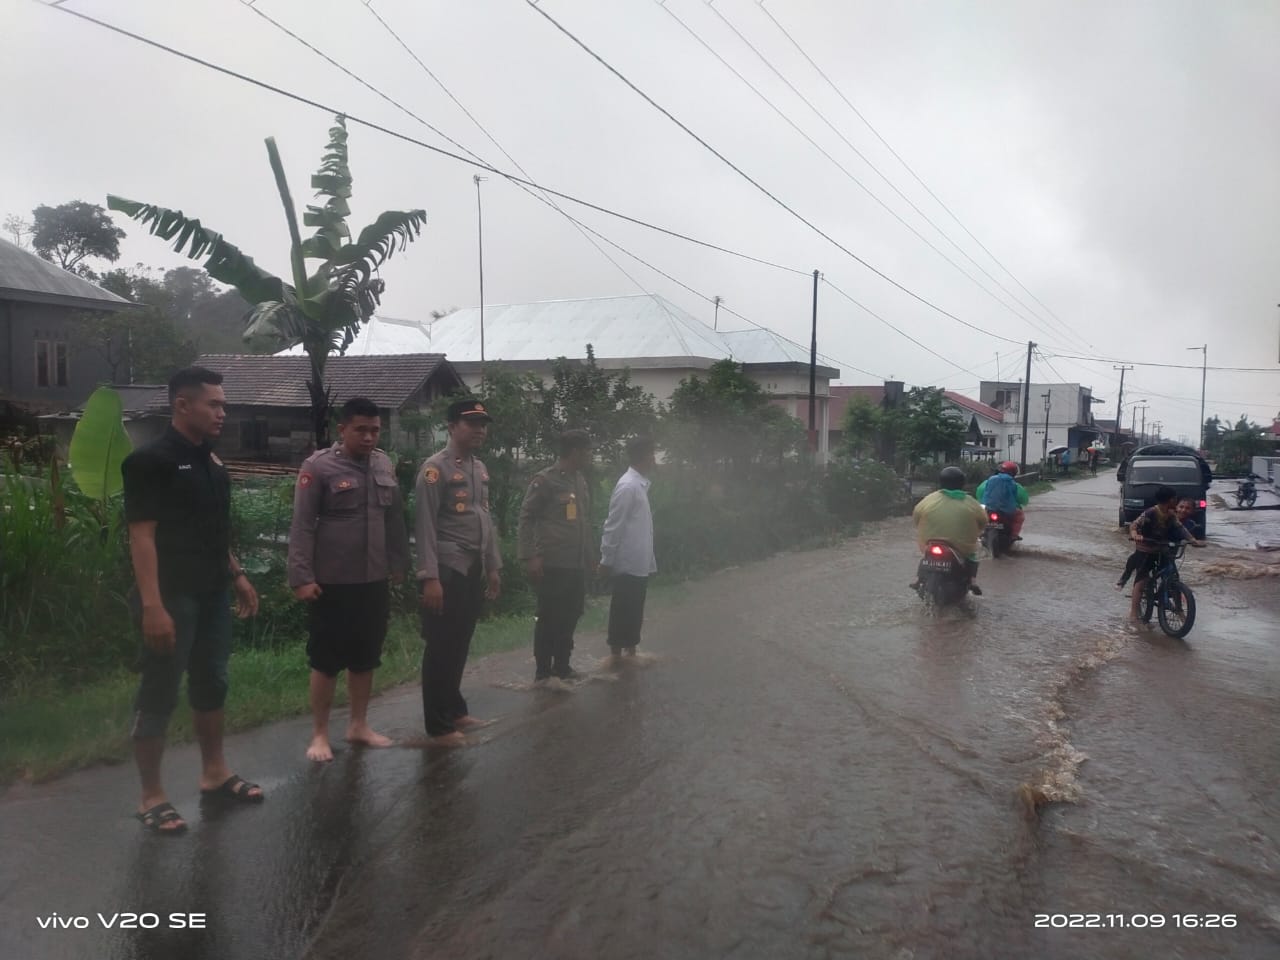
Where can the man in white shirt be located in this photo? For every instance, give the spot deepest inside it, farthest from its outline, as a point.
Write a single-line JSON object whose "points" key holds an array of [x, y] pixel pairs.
{"points": [[626, 548]]}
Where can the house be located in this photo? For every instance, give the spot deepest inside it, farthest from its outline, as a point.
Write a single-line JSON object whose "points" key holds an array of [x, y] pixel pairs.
{"points": [[45, 363], [145, 415], [986, 434], [659, 343], [1061, 414], [269, 409]]}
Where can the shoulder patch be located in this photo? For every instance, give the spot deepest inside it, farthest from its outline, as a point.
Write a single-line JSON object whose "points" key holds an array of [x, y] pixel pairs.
{"points": [[431, 475], [304, 480]]}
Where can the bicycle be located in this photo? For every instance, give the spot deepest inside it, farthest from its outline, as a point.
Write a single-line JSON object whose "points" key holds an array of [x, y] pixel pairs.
{"points": [[1167, 596]]}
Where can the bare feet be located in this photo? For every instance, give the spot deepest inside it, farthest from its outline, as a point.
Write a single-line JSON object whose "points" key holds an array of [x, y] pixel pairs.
{"points": [[450, 740], [319, 749], [466, 722], [363, 734]]}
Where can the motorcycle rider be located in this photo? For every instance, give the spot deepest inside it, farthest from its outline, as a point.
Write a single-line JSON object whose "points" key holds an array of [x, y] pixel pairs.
{"points": [[1005, 496], [952, 515]]}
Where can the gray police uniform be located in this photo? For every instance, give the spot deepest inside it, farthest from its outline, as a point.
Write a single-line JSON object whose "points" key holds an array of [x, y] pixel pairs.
{"points": [[555, 525], [456, 544], [349, 536]]}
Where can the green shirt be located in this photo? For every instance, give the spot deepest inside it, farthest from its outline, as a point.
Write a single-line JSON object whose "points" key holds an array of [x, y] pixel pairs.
{"points": [[950, 515]]}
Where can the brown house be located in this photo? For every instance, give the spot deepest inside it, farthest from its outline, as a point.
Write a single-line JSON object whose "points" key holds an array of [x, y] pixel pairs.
{"points": [[45, 363], [268, 408]]}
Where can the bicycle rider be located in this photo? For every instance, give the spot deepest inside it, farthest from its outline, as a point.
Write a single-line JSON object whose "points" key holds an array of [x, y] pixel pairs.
{"points": [[1152, 532]]}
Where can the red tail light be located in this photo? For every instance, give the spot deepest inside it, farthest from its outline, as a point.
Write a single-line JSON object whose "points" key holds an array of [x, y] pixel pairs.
{"points": [[995, 516], [1203, 504], [936, 551]]}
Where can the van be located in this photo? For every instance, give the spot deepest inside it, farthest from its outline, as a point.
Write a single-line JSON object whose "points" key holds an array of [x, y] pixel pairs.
{"points": [[1144, 475]]}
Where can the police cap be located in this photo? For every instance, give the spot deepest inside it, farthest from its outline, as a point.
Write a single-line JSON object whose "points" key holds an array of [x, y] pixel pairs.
{"points": [[471, 410]]}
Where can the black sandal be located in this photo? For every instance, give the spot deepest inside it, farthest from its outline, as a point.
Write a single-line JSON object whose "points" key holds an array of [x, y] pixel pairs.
{"points": [[235, 788], [154, 819]]}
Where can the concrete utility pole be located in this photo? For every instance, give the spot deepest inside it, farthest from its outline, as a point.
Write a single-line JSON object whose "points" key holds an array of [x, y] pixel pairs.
{"points": [[1044, 454], [1026, 404], [1204, 376], [1143, 431], [813, 372], [715, 321], [1115, 437]]}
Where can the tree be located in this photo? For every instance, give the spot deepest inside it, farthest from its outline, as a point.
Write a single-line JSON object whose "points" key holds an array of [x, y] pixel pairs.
{"points": [[141, 345], [1241, 444], [322, 311], [1213, 437], [862, 423], [929, 426], [606, 404], [70, 232], [18, 229]]}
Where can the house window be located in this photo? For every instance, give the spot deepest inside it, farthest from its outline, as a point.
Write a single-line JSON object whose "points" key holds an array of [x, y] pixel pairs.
{"points": [[1008, 400], [60, 365], [42, 363], [253, 434]]}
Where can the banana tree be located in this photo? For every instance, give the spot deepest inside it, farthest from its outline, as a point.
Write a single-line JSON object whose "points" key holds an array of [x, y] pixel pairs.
{"points": [[323, 310]]}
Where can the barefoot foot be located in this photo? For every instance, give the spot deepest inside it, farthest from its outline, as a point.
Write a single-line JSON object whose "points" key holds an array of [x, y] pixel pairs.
{"points": [[367, 736], [448, 740], [319, 749]]}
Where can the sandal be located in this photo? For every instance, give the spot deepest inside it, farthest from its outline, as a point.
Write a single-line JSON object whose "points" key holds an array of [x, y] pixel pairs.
{"points": [[154, 819], [235, 788]]}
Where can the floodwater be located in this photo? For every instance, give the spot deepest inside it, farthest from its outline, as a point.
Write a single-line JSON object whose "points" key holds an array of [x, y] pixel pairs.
{"points": [[806, 766]]}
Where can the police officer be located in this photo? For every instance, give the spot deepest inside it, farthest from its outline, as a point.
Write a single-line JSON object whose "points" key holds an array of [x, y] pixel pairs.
{"points": [[458, 566], [177, 502], [557, 549], [347, 540]]}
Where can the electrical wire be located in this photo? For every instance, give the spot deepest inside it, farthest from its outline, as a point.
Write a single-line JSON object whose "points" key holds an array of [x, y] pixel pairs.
{"points": [[906, 166]]}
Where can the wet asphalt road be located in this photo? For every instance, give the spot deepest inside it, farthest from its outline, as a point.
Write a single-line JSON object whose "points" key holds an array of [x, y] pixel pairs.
{"points": [[807, 767]]}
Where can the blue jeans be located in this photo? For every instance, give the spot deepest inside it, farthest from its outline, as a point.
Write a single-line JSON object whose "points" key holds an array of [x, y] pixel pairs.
{"points": [[202, 629]]}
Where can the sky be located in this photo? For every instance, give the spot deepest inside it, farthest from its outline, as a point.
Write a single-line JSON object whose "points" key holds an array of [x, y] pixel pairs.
{"points": [[1108, 169]]}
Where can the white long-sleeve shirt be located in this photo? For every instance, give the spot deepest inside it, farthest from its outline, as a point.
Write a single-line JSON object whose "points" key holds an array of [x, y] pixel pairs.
{"points": [[626, 545]]}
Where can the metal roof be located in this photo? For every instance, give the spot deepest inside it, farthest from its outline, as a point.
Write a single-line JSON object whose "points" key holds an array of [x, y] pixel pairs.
{"points": [[27, 278], [633, 328]]}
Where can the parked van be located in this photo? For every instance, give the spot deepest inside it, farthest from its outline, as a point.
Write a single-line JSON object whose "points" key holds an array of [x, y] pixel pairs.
{"points": [[1144, 475]]}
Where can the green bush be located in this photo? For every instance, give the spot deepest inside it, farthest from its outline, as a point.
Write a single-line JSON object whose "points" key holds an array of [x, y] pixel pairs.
{"points": [[863, 490]]}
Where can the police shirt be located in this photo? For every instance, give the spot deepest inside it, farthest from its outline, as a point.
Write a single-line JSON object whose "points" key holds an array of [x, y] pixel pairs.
{"points": [[184, 488], [348, 520], [555, 520], [452, 524]]}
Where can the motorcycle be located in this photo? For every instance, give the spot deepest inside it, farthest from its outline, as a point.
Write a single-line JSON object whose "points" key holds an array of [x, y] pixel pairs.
{"points": [[1246, 493], [998, 536], [942, 579]]}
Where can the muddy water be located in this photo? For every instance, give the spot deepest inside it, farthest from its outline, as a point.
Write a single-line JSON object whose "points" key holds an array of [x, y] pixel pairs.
{"points": [[816, 769]]}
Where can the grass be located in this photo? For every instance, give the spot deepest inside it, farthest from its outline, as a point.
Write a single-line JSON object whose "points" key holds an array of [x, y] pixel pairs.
{"points": [[47, 730]]}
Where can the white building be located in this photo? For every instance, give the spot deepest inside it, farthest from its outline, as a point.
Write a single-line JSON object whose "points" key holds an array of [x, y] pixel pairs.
{"points": [[1060, 415], [653, 338]]}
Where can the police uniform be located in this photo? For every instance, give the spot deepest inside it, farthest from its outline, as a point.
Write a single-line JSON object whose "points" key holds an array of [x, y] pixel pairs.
{"points": [[555, 525], [348, 535], [456, 544], [185, 490]]}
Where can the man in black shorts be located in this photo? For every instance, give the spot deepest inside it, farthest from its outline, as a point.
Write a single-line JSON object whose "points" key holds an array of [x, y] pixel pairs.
{"points": [[177, 502], [348, 539]]}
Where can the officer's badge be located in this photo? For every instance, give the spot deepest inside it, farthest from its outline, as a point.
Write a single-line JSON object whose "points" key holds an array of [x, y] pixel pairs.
{"points": [[344, 484], [431, 475], [460, 508], [304, 480], [457, 477]]}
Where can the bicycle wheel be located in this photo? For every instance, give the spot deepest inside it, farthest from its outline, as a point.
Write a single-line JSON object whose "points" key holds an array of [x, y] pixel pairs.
{"points": [[1177, 609]]}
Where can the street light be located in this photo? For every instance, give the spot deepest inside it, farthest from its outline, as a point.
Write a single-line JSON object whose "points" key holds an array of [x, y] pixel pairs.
{"points": [[1044, 453], [1204, 374]]}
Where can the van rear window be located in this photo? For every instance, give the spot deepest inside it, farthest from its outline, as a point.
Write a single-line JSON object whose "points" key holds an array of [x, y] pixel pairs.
{"points": [[1174, 473]]}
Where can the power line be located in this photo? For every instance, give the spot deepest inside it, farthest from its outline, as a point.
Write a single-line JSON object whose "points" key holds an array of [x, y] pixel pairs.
{"points": [[837, 164], [755, 183], [807, 102], [406, 138], [1168, 366], [795, 43]]}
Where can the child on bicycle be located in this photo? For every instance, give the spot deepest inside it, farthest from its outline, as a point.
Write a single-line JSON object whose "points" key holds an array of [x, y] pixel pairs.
{"points": [[1158, 526]]}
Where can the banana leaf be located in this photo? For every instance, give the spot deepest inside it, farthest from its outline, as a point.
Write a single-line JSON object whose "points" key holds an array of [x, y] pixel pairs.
{"points": [[99, 445]]}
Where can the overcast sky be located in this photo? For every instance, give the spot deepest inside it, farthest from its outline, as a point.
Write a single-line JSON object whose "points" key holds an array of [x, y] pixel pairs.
{"points": [[1120, 158]]}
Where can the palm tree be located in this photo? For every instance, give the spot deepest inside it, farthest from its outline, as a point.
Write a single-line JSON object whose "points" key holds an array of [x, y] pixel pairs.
{"points": [[322, 311]]}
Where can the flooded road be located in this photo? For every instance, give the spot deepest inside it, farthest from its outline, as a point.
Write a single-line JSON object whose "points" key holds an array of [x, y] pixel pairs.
{"points": [[808, 766]]}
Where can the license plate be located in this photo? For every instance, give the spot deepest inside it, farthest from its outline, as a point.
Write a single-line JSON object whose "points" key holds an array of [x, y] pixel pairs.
{"points": [[997, 526], [938, 564]]}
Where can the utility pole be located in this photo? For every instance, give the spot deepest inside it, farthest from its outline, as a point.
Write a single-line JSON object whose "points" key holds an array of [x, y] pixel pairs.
{"points": [[715, 323], [1204, 376], [1115, 438], [1044, 453], [1026, 404], [480, 242], [1144, 423], [813, 372]]}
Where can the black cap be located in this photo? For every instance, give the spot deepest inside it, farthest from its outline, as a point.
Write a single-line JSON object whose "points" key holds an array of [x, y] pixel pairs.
{"points": [[469, 410]]}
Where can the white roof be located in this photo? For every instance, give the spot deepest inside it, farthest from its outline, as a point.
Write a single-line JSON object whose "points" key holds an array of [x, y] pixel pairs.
{"points": [[633, 328]]}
